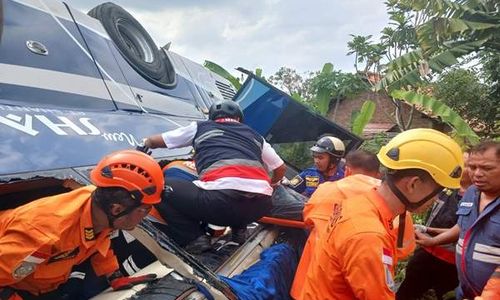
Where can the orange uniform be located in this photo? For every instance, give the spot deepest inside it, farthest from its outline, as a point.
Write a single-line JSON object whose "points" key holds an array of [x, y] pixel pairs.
{"points": [[318, 210], [491, 290], [41, 241], [356, 255]]}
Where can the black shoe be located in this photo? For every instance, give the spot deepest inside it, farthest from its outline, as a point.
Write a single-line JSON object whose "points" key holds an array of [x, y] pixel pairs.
{"points": [[239, 236], [199, 245]]}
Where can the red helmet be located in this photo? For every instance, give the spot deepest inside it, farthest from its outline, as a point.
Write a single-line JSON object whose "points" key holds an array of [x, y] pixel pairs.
{"points": [[132, 170]]}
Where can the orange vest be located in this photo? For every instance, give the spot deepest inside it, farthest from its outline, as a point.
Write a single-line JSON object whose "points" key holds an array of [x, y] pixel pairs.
{"points": [[491, 290], [355, 256], [318, 210], [41, 241]]}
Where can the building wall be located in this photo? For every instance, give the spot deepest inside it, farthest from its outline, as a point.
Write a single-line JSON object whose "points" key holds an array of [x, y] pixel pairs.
{"points": [[384, 108]]}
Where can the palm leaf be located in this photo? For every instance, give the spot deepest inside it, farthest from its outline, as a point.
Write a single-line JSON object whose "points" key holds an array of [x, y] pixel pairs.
{"points": [[441, 110], [449, 8], [432, 34], [403, 70]]}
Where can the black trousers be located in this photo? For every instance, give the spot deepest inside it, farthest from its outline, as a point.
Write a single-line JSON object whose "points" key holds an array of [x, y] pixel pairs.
{"points": [[424, 272], [187, 206]]}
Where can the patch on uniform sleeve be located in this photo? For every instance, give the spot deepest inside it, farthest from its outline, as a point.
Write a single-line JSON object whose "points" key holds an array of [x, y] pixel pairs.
{"points": [[387, 257], [296, 181], [389, 281], [89, 234], [388, 261], [28, 265], [312, 181]]}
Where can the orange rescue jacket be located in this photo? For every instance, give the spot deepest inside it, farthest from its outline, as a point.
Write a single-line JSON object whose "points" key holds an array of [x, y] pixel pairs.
{"points": [[318, 210], [41, 241], [491, 290], [356, 255]]}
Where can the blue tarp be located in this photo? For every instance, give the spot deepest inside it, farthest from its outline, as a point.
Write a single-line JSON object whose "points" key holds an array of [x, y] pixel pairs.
{"points": [[269, 278]]}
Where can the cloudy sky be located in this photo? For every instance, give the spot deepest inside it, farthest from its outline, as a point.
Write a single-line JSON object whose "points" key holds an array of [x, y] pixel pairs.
{"points": [[259, 33]]}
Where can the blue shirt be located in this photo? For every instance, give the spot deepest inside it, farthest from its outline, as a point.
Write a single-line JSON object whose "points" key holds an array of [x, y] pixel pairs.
{"points": [[308, 180], [478, 247]]}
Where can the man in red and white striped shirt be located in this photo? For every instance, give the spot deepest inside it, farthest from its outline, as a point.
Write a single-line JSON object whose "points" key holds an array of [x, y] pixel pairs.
{"points": [[234, 187]]}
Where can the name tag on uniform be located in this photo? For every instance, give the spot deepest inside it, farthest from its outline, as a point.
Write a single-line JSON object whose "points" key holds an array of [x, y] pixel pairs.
{"points": [[312, 181], [467, 204]]}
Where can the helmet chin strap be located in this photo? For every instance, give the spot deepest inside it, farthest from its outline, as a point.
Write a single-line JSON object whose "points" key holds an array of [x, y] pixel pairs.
{"points": [[112, 218], [333, 162], [107, 209], [408, 205]]}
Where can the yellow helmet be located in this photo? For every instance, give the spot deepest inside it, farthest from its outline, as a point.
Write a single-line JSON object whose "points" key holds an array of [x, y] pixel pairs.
{"points": [[428, 150]]}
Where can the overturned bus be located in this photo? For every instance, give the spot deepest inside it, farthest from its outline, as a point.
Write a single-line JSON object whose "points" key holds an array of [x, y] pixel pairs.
{"points": [[75, 86]]}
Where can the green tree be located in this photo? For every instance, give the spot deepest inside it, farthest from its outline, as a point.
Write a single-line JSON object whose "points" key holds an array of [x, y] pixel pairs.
{"points": [[360, 47], [291, 82], [397, 38], [463, 91], [400, 36], [336, 85], [453, 29], [491, 76]]}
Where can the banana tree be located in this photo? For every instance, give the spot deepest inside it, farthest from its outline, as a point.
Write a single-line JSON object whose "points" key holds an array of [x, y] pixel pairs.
{"points": [[363, 117], [436, 107], [222, 72], [324, 94], [453, 30]]}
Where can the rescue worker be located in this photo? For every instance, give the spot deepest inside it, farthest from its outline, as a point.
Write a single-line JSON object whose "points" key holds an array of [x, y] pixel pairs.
{"points": [[41, 241], [327, 153], [434, 267], [362, 173], [234, 188], [132, 255], [355, 257], [477, 229], [361, 169], [491, 290]]}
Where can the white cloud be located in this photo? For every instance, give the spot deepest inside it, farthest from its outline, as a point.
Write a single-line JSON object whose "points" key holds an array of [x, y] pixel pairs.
{"points": [[260, 33]]}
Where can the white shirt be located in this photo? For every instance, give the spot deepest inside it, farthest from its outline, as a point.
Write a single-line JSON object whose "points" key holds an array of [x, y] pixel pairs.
{"points": [[184, 136]]}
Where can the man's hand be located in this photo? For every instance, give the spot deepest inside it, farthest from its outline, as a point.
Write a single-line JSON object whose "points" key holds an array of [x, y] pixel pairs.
{"points": [[122, 283], [424, 239], [144, 148]]}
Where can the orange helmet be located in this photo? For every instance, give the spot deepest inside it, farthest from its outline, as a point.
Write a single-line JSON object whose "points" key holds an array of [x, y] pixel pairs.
{"points": [[132, 170]]}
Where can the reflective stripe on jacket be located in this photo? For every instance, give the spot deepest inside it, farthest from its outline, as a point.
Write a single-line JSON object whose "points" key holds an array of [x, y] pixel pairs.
{"points": [[41, 241], [478, 247], [230, 152], [317, 212], [355, 257]]}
